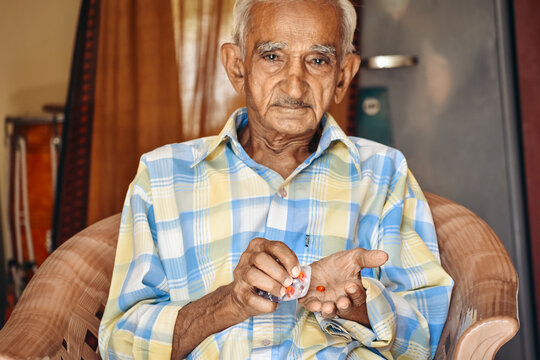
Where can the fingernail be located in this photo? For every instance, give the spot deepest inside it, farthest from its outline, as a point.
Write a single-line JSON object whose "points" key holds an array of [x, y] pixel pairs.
{"points": [[351, 289], [282, 292], [296, 271], [288, 282]]}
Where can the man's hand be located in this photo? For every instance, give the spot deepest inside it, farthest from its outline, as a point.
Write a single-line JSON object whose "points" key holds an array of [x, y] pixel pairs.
{"points": [[265, 265], [343, 293]]}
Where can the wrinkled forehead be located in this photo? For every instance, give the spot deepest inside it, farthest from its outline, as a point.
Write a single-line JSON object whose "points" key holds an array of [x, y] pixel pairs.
{"points": [[316, 23], [323, 12]]}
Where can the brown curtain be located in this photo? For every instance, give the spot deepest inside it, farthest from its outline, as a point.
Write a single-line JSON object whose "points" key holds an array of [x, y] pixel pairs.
{"points": [[137, 105], [206, 95]]}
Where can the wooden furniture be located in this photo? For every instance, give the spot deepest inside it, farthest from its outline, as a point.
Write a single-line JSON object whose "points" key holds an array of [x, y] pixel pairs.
{"points": [[34, 150], [34, 144], [58, 314]]}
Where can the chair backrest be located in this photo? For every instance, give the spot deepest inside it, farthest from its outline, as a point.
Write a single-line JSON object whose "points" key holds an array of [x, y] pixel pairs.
{"points": [[483, 308], [58, 314]]}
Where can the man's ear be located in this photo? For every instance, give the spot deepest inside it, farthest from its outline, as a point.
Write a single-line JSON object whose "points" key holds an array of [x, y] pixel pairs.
{"points": [[349, 68], [231, 59]]}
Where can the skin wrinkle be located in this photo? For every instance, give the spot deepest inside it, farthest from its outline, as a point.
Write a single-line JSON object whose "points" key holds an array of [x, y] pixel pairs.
{"points": [[271, 46], [277, 147]]}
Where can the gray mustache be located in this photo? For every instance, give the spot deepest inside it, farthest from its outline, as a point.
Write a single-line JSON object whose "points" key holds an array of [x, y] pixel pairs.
{"points": [[288, 101]]}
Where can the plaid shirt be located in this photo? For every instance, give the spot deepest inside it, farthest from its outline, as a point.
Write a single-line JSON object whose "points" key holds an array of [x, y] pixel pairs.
{"points": [[193, 208]]}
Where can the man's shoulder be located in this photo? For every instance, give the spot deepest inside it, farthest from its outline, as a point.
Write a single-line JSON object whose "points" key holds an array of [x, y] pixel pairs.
{"points": [[369, 149], [185, 151]]}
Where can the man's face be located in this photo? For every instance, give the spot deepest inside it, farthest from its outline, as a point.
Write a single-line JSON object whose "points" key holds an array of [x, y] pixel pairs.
{"points": [[292, 65]]}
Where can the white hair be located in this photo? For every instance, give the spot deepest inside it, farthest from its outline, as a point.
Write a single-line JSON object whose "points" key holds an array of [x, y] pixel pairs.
{"points": [[242, 17]]}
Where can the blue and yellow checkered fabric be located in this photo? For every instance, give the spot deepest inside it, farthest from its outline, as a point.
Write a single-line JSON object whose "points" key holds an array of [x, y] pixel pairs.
{"points": [[193, 208]]}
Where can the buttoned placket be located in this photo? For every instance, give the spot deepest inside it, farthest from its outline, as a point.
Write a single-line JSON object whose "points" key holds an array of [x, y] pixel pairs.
{"points": [[276, 226]]}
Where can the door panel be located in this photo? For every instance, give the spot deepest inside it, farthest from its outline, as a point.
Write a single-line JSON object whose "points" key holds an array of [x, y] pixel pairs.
{"points": [[453, 115]]}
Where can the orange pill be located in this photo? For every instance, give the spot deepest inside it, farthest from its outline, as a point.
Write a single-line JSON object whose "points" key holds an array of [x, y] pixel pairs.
{"points": [[289, 291], [320, 288], [302, 276]]}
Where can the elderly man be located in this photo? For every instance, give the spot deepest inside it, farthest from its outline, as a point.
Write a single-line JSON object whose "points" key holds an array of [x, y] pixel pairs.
{"points": [[212, 227]]}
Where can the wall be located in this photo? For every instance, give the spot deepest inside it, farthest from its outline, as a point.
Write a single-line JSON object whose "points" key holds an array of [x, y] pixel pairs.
{"points": [[36, 41]]}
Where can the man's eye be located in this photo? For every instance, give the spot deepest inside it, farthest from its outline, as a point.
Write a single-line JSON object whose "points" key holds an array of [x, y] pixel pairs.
{"points": [[319, 61], [270, 57]]}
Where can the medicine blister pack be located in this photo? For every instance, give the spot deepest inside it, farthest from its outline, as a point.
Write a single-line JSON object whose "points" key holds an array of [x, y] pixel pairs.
{"points": [[298, 288]]}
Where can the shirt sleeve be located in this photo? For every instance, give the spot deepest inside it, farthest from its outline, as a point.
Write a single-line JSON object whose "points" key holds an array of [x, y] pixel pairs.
{"points": [[139, 317], [409, 296]]}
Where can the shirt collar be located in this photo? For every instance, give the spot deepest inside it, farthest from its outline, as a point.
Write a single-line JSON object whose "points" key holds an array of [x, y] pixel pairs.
{"points": [[229, 132], [331, 133]]}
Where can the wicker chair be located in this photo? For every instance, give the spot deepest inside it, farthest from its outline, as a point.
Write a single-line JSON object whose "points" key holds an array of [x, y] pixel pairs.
{"points": [[58, 314]]}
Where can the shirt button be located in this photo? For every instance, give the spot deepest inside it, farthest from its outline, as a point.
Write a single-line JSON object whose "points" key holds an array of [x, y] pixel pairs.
{"points": [[265, 342], [283, 192]]}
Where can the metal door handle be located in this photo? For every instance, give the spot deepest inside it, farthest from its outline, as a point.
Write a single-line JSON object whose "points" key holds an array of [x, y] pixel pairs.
{"points": [[388, 62]]}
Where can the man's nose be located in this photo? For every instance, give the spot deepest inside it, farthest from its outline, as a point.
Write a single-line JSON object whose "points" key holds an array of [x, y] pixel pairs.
{"points": [[295, 83]]}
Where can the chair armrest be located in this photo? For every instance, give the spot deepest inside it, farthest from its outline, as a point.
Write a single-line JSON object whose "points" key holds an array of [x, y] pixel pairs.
{"points": [[58, 313], [483, 308]]}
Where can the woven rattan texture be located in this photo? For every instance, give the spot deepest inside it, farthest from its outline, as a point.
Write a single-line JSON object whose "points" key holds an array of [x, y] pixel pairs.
{"points": [[483, 309], [58, 314]]}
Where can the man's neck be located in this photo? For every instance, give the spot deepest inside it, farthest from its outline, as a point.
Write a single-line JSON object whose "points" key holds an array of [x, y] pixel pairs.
{"points": [[283, 155]]}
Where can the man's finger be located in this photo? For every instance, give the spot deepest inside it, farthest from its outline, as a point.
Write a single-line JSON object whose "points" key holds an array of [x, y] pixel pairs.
{"points": [[285, 256], [267, 264], [328, 310], [343, 304], [312, 305], [260, 304], [259, 280], [356, 294], [371, 258]]}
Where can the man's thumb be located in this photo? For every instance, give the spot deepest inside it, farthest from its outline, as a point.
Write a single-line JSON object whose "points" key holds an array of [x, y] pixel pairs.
{"points": [[372, 258]]}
